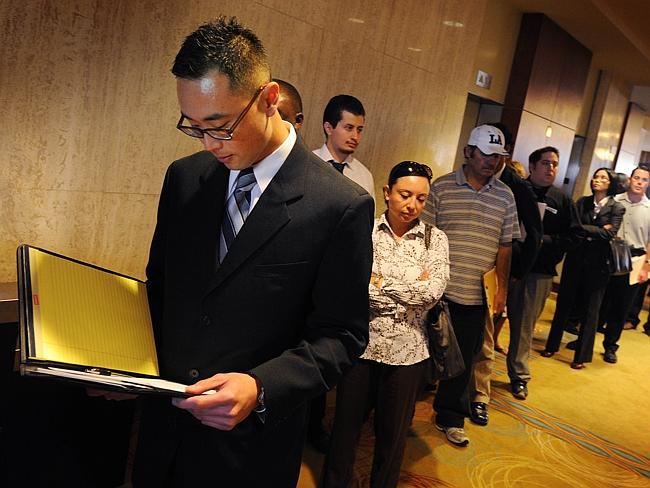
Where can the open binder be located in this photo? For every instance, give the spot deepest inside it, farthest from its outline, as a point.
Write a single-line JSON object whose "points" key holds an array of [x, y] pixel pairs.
{"points": [[86, 324]]}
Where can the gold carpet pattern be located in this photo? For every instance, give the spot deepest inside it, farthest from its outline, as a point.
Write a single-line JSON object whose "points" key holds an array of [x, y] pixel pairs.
{"points": [[585, 429]]}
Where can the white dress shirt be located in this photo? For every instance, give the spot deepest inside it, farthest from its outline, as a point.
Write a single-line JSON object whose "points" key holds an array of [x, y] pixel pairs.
{"points": [[353, 169], [266, 169]]}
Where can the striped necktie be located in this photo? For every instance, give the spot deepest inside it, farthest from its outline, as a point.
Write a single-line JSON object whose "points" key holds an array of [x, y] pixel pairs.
{"points": [[237, 209], [337, 166]]}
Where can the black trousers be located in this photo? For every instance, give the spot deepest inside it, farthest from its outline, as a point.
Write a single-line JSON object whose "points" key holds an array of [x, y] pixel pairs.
{"points": [[316, 414], [579, 285], [620, 296], [391, 391], [637, 305], [452, 403]]}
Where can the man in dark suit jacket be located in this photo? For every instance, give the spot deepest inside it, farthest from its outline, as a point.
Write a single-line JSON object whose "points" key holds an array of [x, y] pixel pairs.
{"points": [[263, 322]]}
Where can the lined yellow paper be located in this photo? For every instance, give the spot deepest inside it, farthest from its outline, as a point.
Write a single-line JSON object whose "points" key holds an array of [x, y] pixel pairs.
{"points": [[90, 317]]}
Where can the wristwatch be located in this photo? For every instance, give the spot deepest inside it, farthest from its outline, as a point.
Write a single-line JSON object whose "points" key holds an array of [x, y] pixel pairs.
{"points": [[261, 405], [261, 397]]}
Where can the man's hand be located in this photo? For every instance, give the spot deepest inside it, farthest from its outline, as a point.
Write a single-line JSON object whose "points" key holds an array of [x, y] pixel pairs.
{"points": [[234, 398], [499, 302], [643, 275], [110, 395]]}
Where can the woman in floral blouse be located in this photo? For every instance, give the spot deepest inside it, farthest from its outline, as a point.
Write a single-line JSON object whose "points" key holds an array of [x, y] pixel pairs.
{"points": [[408, 277]]}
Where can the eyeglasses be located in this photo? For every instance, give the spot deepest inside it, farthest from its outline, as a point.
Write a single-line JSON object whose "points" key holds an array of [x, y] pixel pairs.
{"points": [[409, 168], [548, 163], [218, 133]]}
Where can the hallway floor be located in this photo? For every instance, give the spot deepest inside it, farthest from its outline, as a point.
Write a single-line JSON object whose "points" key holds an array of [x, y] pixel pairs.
{"points": [[587, 428]]}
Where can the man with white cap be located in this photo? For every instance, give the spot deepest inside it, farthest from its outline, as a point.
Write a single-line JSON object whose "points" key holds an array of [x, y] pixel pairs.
{"points": [[479, 216]]}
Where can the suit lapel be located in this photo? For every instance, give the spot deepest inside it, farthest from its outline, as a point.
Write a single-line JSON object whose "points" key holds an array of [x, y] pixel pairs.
{"points": [[269, 215], [213, 194], [605, 209]]}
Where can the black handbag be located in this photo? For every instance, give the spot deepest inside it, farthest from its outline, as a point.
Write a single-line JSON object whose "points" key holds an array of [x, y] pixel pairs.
{"points": [[446, 358], [619, 261], [444, 353]]}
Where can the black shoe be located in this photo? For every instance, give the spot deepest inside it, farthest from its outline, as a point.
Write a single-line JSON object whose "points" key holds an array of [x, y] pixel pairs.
{"points": [[319, 439], [478, 413], [646, 328], [601, 329], [610, 356], [572, 345], [519, 389]]}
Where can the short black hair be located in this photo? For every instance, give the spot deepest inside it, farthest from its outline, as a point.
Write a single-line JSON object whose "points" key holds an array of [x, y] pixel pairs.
{"points": [[335, 107], [292, 94], [642, 167], [537, 154], [228, 47], [622, 182]]}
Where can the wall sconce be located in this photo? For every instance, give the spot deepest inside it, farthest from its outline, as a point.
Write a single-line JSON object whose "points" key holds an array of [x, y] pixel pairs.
{"points": [[612, 153], [549, 131]]}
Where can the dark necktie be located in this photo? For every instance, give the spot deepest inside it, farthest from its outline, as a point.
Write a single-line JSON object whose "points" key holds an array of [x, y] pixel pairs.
{"points": [[337, 166], [237, 209]]}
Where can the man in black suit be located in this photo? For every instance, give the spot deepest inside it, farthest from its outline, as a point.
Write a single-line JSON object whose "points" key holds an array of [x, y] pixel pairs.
{"points": [[257, 277]]}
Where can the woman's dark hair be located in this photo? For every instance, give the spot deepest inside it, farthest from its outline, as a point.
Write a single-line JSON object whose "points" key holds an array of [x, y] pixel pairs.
{"points": [[613, 181], [408, 168]]}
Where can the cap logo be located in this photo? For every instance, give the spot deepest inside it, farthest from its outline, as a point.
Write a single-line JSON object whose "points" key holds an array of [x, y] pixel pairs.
{"points": [[495, 139]]}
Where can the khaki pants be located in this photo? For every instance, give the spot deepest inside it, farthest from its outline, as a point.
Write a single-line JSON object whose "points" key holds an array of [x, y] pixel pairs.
{"points": [[483, 365]]}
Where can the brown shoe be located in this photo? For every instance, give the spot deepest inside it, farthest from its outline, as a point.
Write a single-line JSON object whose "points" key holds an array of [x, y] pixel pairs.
{"points": [[577, 366], [628, 326]]}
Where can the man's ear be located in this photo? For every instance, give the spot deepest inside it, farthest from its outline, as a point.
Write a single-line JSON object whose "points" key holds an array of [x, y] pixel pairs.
{"points": [[327, 127], [386, 193], [271, 98], [467, 152]]}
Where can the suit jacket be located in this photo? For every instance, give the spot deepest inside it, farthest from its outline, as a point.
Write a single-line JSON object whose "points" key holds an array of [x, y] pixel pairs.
{"points": [[524, 252], [289, 304], [591, 256], [561, 226]]}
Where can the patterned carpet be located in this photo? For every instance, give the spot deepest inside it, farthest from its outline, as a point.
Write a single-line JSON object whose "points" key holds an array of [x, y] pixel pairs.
{"points": [[588, 428]]}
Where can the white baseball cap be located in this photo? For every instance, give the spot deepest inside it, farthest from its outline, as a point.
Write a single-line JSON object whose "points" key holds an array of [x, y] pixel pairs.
{"points": [[488, 139]]}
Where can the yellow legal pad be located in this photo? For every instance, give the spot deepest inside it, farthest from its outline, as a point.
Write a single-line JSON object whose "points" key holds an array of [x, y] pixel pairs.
{"points": [[83, 315], [490, 286]]}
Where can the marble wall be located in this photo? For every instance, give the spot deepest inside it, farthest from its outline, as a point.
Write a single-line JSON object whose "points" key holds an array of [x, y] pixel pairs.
{"points": [[605, 128], [89, 105]]}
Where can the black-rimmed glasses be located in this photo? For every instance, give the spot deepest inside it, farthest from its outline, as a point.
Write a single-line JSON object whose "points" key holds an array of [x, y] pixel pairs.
{"points": [[218, 133]]}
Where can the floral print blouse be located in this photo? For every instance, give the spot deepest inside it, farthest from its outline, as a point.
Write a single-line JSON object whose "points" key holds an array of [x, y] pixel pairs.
{"points": [[413, 279]]}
